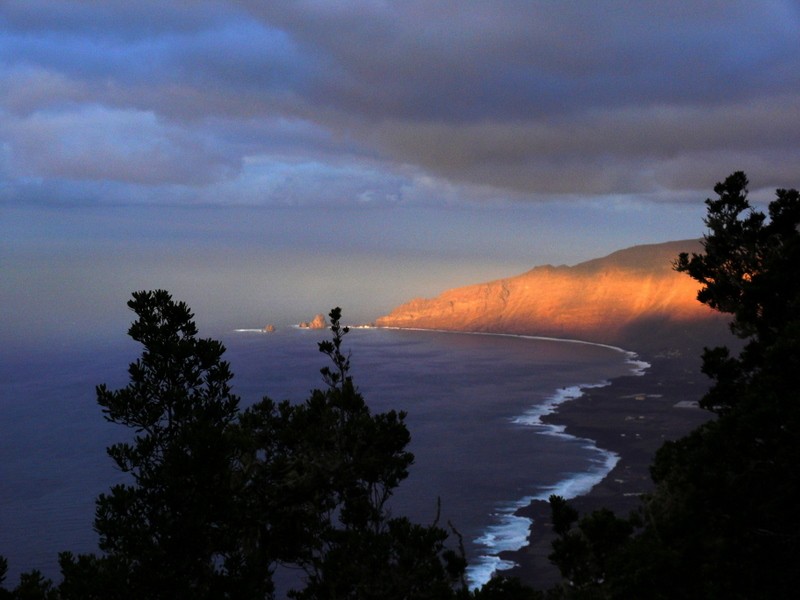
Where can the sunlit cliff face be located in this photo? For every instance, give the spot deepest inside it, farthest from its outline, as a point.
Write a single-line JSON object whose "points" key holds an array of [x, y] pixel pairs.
{"points": [[599, 300]]}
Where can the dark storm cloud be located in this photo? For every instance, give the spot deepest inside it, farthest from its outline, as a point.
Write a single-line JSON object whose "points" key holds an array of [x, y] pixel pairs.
{"points": [[528, 98], [588, 97], [510, 60]]}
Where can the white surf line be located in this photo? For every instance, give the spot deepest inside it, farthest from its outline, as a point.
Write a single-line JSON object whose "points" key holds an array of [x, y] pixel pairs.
{"points": [[632, 357], [511, 533]]}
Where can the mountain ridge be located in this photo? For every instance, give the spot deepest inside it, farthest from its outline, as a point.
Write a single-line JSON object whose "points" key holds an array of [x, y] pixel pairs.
{"points": [[631, 297]]}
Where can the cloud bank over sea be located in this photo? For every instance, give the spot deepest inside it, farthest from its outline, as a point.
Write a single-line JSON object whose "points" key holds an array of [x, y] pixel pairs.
{"points": [[238, 102]]}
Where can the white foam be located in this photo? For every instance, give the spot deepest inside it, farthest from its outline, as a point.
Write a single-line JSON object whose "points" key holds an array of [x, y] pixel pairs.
{"points": [[638, 366], [510, 531], [480, 572], [533, 416]]}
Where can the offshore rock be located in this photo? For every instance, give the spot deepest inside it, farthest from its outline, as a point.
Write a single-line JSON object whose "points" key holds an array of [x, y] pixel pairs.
{"points": [[318, 322]]}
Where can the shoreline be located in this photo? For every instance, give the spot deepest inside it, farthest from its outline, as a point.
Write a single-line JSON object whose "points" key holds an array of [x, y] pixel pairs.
{"points": [[495, 561], [529, 560], [632, 417], [629, 418]]}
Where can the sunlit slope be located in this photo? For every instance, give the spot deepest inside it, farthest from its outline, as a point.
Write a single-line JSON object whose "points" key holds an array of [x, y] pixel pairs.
{"points": [[614, 299]]}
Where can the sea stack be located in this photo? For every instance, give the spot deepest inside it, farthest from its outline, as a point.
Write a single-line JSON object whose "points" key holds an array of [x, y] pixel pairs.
{"points": [[318, 322]]}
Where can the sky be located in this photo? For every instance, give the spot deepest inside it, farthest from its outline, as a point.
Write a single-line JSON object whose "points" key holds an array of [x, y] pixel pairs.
{"points": [[267, 160]]}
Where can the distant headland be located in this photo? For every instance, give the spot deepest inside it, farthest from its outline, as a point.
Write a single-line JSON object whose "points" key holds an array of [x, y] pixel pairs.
{"points": [[632, 297]]}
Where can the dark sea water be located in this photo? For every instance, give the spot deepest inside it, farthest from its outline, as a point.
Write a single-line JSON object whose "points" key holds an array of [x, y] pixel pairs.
{"points": [[473, 403]]}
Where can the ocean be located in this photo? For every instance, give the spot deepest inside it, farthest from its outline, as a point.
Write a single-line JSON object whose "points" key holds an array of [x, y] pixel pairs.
{"points": [[473, 404]]}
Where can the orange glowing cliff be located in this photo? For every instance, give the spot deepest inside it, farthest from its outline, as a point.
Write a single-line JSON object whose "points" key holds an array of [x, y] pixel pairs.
{"points": [[622, 298]]}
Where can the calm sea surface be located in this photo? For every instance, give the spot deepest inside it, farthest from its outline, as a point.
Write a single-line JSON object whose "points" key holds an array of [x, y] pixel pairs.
{"points": [[473, 403]]}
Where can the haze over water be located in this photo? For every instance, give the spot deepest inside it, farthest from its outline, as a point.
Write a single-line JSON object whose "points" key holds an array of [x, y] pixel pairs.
{"points": [[463, 394]]}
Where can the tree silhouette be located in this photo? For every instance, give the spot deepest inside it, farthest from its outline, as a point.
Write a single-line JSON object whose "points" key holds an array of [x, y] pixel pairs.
{"points": [[325, 470], [722, 521], [173, 531], [218, 497]]}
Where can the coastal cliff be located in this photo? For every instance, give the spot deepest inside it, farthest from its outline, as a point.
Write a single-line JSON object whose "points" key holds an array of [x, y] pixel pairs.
{"points": [[632, 297]]}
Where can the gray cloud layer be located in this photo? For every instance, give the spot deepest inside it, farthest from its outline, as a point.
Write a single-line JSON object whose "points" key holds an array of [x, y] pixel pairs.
{"points": [[366, 101]]}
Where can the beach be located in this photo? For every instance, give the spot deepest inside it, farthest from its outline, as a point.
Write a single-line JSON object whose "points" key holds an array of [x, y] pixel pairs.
{"points": [[632, 417]]}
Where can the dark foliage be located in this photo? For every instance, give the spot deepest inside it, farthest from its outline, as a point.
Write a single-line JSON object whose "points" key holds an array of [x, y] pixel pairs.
{"points": [[218, 497], [174, 531], [506, 588], [725, 506], [32, 585], [723, 520], [323, 471]]}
